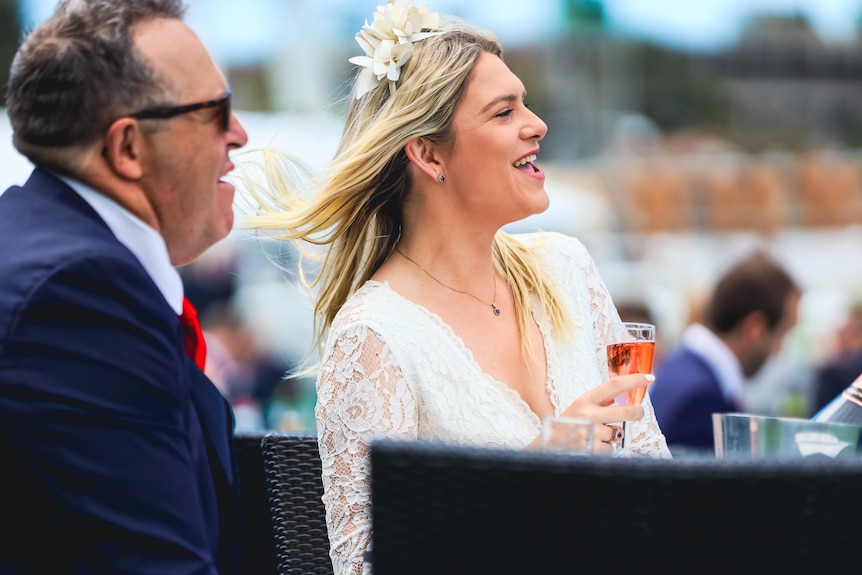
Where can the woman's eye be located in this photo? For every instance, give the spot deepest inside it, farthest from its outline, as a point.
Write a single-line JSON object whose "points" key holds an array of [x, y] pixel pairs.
{"points": [[504, 113]]}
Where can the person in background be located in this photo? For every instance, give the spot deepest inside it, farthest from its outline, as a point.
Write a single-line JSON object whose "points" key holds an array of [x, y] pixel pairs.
{"points": [[750, 310], [439, 326], [638, 311], [116, 447], [240, 364], [843, 366], [634, 310]]}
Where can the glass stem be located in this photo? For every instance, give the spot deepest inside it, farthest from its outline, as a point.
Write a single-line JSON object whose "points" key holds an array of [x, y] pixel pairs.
{"points": [[626, 443]]}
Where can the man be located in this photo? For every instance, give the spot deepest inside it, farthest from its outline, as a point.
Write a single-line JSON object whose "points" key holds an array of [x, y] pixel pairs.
{"points": [[752, 307], [841, 369], [116, 448]]}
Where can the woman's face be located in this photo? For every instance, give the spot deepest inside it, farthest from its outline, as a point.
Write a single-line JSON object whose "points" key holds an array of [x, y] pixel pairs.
{"points": [[491, 164]]}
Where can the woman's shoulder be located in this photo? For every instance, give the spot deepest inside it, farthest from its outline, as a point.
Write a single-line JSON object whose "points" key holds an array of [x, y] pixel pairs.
{"points": [[365, 303], [375, 306], [377, 315]]}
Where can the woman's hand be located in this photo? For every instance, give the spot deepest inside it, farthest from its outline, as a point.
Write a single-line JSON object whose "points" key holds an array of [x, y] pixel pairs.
{"points": [[598, 405]]}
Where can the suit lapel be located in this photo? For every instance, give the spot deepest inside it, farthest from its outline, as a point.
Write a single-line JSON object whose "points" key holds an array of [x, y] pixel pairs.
{"points": [[217, 420]]}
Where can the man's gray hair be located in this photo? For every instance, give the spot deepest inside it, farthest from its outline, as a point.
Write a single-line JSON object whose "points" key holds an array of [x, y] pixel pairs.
{"points": [[76, 73]]}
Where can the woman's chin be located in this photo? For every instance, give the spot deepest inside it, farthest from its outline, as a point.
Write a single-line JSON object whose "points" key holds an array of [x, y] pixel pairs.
{"points": [[542, 203]]}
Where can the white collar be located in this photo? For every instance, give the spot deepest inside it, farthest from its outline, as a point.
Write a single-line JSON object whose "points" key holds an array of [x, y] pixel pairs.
{"points": [[720, 358], [143, 241]]}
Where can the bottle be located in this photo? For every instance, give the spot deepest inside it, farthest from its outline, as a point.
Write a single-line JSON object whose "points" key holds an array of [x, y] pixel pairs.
{"points": [[845, 408]]}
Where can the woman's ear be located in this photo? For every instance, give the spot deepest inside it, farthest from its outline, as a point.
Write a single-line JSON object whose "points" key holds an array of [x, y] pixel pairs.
{"points": [[122, 149], [425, 155]]}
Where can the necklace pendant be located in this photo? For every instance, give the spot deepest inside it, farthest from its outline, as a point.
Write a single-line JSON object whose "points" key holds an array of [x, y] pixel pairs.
{"points": [[496, 309]]}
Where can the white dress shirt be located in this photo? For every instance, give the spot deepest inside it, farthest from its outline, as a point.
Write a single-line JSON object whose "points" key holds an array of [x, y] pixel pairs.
{"points": [[143, 241], [721, 360]]}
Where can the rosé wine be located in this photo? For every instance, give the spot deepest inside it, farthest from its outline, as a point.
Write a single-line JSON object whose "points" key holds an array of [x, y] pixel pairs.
{"points": [[631, 357]]}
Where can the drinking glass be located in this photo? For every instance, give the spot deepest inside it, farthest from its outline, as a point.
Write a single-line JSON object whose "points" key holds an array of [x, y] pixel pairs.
{"points": [[631, 347], [570, 435]]}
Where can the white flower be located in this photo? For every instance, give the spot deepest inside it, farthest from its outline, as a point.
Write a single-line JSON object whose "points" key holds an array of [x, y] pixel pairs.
{"points": [[388, 42]]}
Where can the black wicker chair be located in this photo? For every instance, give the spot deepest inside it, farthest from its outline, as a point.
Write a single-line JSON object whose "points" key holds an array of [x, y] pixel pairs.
{"points": [[293, 474], [257, 541], [439, 509]]}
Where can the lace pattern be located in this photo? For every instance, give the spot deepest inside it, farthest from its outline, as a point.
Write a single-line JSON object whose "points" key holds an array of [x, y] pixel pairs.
{"points": [[393, 369]]}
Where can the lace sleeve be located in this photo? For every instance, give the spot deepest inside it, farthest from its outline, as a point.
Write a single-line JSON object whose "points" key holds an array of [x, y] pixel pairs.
{"points": [[362, 395], [647, 438], [603, 312]]}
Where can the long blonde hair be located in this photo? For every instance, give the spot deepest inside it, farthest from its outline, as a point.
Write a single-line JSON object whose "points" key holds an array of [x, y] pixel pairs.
{"points": [[354, 208]]}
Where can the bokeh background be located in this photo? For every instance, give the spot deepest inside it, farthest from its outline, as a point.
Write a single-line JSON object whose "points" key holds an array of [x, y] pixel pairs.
{"points": [[683, 135]]}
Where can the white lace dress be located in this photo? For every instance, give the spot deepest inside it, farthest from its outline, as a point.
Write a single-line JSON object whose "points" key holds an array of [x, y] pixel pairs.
{"points": [[393, 369]]}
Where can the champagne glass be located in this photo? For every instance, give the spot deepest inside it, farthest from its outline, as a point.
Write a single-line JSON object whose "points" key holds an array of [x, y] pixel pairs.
{"points": [[631, 347]]}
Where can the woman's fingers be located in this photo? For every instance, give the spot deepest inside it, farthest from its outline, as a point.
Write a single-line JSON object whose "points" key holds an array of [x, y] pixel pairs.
{"points": [[621, 412], [615, 433], [607, 439], [603, 448], [605, 393], [604, 413], [598, 403]]}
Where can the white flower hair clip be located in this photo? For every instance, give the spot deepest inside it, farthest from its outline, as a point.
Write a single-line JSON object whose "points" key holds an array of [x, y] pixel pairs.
{"points": [[388, 42]]}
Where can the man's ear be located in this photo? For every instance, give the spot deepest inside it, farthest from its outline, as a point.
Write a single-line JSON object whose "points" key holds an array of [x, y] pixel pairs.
{"points": [[122, 149], [754, 326], [425, 155]]}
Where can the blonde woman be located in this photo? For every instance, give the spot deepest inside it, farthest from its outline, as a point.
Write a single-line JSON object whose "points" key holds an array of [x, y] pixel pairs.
{"points": [[437, 325]]}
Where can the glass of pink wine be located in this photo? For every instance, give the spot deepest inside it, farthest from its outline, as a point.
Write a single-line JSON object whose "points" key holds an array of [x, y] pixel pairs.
{"points": [[631, 347]]}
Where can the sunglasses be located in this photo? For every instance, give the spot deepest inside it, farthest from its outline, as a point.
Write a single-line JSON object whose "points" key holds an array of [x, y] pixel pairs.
{"points": [[163, 113]]}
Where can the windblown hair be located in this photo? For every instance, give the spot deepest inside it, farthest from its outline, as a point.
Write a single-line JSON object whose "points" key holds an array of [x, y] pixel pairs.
{"points": [[354, 209], [76, 73]]}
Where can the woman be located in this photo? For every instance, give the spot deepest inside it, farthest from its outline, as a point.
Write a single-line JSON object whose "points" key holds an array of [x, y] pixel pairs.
{"points": [[437, 324]]}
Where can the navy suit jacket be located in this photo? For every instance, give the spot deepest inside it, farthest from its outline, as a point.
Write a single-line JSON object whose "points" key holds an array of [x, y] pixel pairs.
{"points": [[834, 377], [685, 394], [115, 448]]}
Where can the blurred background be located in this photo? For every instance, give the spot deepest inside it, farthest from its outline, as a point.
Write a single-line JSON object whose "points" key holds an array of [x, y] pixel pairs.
{"points": [[683, 135]]}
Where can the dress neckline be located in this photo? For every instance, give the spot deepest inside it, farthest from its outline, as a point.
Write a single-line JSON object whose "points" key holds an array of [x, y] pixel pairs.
{"points": [[440, 323]]}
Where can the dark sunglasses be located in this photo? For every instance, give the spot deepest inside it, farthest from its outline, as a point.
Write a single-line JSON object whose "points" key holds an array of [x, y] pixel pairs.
{"points": [[164, 113]]}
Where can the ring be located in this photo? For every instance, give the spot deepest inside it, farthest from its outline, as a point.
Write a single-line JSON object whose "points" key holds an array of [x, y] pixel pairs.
{"points": [[616, 435]]}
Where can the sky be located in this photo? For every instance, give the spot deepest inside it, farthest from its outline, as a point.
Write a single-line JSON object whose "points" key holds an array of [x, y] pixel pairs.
{"points": [[247, 29]]}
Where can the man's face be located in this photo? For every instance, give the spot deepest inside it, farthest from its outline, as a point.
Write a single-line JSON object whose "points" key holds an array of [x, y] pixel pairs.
{"points": [[186, 157], [769, 344]]}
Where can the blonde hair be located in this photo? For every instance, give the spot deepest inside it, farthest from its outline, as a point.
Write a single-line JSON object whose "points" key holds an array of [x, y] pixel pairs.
{"points": [[355, 205]]}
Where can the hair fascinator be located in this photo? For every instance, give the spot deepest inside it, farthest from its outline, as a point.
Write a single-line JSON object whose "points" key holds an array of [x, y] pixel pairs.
{"points": [[388, 42]]}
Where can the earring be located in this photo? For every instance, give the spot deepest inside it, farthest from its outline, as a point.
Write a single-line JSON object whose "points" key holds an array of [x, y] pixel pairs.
{"points": [[441, 178]]}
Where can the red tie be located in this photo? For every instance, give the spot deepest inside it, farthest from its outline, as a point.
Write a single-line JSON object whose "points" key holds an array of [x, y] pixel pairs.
{"points": [[196, 347]]}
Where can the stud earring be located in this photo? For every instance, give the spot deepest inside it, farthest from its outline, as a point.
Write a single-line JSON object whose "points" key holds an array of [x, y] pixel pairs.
{"points": [[441, 178]]}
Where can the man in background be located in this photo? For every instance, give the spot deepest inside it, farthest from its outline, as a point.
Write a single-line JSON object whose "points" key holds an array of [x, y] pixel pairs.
{"points": [[842, 368], [752, 307], [116, 448], [639, 311]]}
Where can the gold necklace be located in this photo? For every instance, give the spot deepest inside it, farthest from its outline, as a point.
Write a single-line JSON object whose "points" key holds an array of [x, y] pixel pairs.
{"points": [[493, 304]]}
